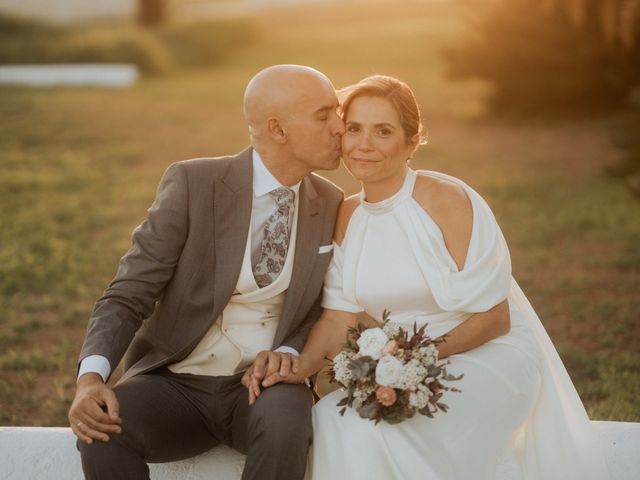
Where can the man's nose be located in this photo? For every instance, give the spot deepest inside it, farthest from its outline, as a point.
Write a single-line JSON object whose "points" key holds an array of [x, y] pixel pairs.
{"points": [[338, 128]]}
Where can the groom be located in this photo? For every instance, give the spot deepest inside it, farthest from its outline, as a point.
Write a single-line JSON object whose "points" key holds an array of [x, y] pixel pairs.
{"points": [[226, 271]]}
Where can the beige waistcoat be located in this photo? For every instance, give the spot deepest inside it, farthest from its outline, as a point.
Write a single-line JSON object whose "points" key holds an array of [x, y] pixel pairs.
{"points": [[248, 323]]}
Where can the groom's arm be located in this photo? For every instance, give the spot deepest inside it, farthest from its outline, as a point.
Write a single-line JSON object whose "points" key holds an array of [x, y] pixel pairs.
{"points": [[143, 271], [130, 298]]}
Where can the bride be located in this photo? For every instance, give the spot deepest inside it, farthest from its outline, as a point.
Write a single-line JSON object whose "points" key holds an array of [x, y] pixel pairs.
{"points": [[426, 246]]}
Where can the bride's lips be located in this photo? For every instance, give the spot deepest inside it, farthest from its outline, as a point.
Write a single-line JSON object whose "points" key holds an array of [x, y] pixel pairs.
{"points": [[363, 161]]}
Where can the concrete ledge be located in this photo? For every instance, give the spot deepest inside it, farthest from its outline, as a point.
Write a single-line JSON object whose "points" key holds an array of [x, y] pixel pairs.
{"points": [[621, 441], [45, 453], [49, 453]]}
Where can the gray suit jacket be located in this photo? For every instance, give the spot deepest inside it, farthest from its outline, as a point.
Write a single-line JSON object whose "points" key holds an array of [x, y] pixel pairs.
{"points": [[185, 260]]}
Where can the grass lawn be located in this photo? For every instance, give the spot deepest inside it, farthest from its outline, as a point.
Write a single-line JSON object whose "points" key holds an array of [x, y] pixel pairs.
{"points": [[79, 167]]}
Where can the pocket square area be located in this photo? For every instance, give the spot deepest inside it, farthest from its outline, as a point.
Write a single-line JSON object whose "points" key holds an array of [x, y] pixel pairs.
{"points": [[325, 248]]}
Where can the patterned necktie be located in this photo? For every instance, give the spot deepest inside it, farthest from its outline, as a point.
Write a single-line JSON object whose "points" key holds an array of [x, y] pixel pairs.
{"points": [[276, 239]]}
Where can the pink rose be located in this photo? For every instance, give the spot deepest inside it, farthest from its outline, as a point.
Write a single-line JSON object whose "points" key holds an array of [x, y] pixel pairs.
{"points": [[386, 396], [390, 348]]}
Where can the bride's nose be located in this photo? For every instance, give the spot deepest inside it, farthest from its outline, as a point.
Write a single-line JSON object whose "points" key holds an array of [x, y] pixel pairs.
{"points": [[365, 144]]}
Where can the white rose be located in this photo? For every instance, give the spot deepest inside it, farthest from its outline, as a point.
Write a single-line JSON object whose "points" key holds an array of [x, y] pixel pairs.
{"points": [[371, 342], [388, 370]]}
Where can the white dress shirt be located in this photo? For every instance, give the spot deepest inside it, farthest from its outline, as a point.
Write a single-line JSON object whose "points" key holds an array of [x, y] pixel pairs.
{"points": [[263, 206]]}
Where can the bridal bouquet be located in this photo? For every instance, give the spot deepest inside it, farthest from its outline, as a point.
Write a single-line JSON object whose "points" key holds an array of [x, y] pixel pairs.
{"points": [[389, 374]]}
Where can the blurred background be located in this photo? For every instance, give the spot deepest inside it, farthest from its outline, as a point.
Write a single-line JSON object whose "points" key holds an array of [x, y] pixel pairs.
{"points": [[534, 103]]}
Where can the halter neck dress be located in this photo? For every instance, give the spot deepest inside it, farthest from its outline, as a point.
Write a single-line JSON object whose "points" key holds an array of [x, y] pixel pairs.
{"points": [[518, 415]]}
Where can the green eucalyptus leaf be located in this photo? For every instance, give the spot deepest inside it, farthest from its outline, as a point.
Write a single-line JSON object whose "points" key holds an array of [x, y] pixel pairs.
{"points": [[368, 410]]}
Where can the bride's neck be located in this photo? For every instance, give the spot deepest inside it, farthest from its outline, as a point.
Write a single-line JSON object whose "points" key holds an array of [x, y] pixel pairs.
{"points": [[380, 190]]}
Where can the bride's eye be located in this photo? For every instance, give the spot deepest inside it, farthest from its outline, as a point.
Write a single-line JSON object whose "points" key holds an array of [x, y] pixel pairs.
{"points": [[384, 132], [353, 128]]}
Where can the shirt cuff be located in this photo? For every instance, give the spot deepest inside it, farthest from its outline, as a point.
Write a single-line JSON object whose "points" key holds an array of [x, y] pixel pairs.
{"points": [[285, 349], [95, 364]]}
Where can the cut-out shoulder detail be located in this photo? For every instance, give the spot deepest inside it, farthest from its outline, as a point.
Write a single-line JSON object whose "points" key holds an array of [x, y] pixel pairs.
{"points": [[347, 207], [450, 208]]}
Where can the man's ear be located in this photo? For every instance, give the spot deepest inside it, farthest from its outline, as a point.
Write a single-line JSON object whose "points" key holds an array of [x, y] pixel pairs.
{"points": [[276, 130]]}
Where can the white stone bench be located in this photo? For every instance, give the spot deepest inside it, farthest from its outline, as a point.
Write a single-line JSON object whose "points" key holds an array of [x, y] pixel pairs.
{"points": [[49, 453]]}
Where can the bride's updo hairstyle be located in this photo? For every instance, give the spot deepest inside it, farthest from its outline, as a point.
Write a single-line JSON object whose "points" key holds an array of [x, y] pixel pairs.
{"points": [[394, 90]]}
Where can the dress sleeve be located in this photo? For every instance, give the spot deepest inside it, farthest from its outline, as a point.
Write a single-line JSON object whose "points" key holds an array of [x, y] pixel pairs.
{"points": [[485, 279], [333, 296]]}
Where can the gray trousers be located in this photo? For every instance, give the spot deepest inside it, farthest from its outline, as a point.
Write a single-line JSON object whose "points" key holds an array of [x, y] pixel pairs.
{"points": [[168, 417]]}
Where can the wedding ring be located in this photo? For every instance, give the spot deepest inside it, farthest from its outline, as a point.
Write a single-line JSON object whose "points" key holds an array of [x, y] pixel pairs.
{"points": [[79, 423]]}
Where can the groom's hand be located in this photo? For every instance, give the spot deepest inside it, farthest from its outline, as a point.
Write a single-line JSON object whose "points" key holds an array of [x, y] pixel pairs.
{"points": [[94, 412], [277, 377], [268, 363]]}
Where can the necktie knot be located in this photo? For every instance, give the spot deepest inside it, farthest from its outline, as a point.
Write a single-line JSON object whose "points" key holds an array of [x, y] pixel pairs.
{"points": [[283, 196]]}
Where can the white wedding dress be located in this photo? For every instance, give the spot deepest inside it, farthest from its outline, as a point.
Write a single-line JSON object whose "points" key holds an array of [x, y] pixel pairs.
{"points": [[518, 415]]}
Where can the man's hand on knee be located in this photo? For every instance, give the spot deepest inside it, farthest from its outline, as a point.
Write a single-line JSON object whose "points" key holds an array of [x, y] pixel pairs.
{"points": [[94, 412], [267, 364]]}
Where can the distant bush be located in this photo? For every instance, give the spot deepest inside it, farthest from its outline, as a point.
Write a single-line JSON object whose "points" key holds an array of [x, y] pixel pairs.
{"points": [[206, 42], [127, 45], [625, 135], [567, 58], [10, 25], [153, 50]]}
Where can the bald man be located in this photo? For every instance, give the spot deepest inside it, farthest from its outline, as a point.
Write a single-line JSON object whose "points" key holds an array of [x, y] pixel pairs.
{"points": [[224, 274]]}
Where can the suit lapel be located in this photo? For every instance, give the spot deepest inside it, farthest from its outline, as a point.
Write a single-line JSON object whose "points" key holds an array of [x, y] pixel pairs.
{"points": [[232, 217], [308, 239]]}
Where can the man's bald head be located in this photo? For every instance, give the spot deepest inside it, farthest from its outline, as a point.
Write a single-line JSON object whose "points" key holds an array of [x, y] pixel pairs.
{"points": [[276, 90], [293, 121]]}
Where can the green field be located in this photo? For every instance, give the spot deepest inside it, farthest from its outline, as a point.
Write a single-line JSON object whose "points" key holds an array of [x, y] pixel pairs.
{"points": [[79, 167]]}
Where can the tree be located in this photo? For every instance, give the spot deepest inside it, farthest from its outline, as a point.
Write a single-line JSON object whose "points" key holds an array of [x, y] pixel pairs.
{"points": [[555, 56], [151, 12]]}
